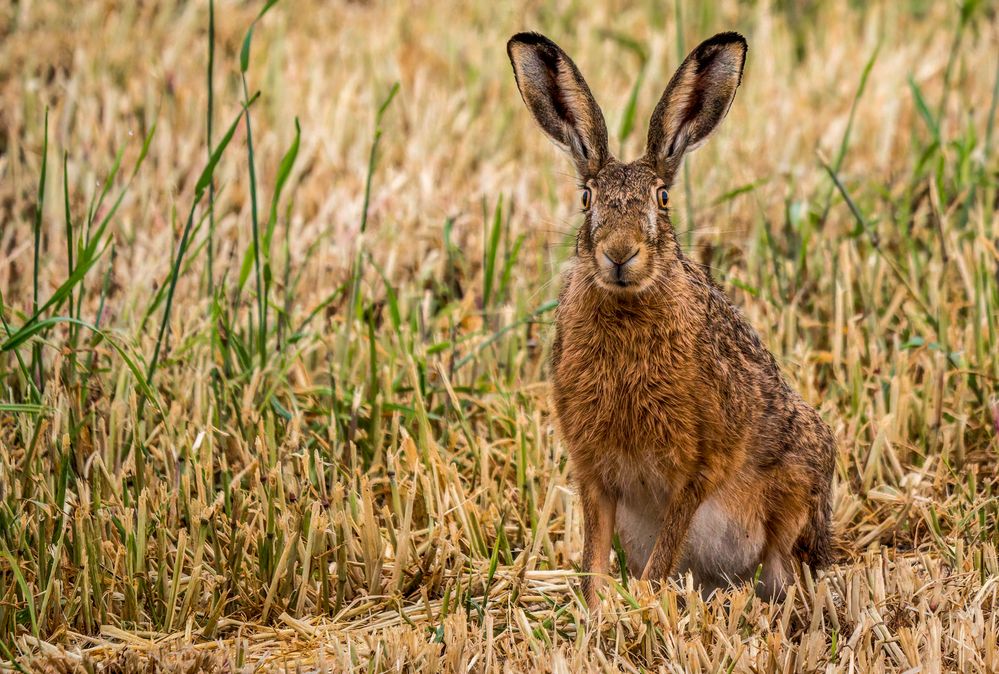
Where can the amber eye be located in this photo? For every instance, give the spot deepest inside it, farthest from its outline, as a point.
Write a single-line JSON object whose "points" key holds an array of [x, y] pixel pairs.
{"points": [[586, 198], [662, 198]]}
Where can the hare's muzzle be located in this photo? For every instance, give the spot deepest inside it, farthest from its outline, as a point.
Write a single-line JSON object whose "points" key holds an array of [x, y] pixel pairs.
{"points": [[621, 263]]}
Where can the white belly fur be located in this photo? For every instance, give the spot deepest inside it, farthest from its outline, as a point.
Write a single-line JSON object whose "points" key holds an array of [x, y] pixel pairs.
{"points": [[719, 549]]}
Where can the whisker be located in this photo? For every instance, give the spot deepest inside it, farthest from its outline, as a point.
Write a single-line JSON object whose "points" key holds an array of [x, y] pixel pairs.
{"points": [[682, 232]]}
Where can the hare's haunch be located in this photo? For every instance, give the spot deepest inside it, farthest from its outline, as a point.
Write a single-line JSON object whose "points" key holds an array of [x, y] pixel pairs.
{"points": [[684, 436]]}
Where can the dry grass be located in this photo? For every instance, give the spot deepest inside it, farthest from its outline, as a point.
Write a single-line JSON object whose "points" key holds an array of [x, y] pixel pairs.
{"points": [[372, 482]]}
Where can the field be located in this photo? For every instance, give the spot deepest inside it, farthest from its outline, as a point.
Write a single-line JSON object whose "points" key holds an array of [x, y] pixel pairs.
{"points": [[273, 367]]}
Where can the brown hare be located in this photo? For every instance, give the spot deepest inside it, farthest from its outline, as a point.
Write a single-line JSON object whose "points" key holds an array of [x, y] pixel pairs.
{"points": [[684, 436]]}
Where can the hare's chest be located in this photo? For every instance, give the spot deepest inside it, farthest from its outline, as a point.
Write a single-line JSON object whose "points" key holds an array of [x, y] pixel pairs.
{"points": [[621, 401]]}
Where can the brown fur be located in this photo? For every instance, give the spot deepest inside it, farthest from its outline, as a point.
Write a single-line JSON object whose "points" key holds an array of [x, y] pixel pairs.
{"points": [[684, 436]]}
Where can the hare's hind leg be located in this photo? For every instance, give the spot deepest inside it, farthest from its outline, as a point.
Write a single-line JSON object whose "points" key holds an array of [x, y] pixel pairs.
{"points": [[785, 524], [775, 577], [723, 546]]}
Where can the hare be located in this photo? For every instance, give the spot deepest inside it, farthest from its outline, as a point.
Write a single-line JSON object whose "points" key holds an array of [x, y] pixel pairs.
{"points": [[683, 435]]}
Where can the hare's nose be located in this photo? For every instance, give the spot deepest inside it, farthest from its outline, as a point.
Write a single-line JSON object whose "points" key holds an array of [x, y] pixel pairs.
{"points": [[619, 258]]}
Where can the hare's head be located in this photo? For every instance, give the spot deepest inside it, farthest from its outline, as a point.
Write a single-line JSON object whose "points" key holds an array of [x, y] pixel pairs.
{"points": [[626, 238]]}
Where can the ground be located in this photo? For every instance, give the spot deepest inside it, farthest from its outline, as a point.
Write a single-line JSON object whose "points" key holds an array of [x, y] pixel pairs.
{"points": [[287, 406]]}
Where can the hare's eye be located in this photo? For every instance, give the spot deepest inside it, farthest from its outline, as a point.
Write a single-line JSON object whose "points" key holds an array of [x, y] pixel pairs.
{"points": [[586, 198], [662, 198]]}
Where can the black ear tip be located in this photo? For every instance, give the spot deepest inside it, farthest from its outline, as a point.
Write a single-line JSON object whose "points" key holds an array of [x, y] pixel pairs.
{"points": [[731, 43], [530, 38], [728, 39]]}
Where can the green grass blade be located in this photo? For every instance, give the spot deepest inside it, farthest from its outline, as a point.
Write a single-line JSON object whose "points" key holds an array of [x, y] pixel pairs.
{"points": [[209, 117], [199, 190]]}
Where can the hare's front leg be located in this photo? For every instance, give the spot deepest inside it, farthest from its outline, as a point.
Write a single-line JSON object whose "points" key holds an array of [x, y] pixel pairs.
{"points": [[676, 519], [599, 510]]}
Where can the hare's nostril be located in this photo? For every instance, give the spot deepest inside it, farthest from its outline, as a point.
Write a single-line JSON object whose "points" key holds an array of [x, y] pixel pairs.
{"points": [[619, 258]]}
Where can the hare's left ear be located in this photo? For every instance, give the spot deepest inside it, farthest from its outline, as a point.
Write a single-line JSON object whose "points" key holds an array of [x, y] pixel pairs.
{"points": [[695, 101]]}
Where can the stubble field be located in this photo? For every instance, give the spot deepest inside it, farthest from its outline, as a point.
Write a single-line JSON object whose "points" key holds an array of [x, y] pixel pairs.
{"points": [[274, 395]]}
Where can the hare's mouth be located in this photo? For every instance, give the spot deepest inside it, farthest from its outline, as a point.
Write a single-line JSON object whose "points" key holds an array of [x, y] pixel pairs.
{"points": [[626, 285]]}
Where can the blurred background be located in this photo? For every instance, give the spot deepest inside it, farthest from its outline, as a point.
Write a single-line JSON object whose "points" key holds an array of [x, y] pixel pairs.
{"points": [[456, 133]]}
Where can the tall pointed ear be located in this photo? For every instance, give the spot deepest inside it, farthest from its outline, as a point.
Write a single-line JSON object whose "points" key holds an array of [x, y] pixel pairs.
{"points": [[695, 101], [556, 94]]}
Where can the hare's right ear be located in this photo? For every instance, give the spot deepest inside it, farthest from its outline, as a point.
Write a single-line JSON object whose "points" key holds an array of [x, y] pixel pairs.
{"points": [[556, 94]]}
